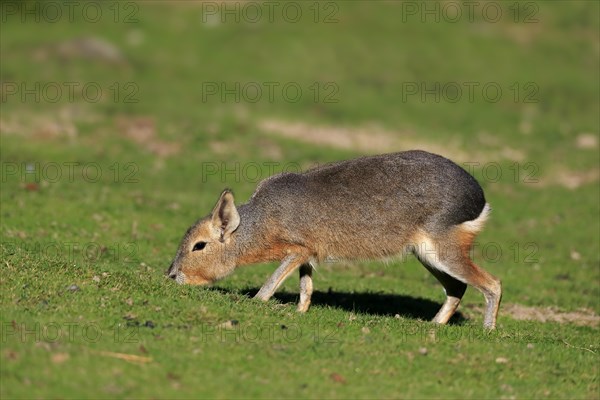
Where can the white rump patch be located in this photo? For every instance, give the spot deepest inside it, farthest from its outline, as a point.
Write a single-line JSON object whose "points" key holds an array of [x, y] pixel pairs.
{"points": [[476, 225]]}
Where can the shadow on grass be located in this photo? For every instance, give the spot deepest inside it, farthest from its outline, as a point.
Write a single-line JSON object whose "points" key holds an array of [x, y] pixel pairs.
{"points": [[364, 303]]}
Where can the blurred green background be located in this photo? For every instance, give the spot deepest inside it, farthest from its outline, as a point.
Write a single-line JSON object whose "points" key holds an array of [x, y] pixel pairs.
{"points": [[121, 122]]}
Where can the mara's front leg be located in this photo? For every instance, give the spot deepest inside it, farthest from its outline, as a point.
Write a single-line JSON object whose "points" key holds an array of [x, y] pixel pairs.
{"points": [[288, 265]]}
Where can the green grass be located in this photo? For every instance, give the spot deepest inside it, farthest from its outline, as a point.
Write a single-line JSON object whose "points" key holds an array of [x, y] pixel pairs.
{"points": [[114, 236]]}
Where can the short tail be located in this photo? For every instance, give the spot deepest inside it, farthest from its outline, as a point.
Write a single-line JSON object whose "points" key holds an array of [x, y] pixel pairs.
{"points": [[475, 226]]}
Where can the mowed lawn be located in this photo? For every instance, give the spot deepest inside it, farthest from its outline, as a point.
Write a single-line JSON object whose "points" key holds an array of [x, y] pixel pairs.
{"points": [[121, 124]]}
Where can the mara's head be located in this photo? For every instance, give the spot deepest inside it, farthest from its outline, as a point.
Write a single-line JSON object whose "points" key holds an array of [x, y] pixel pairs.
{"points": [[203, 255]]}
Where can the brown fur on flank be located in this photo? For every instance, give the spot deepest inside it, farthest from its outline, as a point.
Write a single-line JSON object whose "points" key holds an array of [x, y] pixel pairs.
{"points": [[367, 208]]}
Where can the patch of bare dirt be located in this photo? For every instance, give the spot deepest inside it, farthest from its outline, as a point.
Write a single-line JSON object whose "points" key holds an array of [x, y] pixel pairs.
{"points": [[522, 34], [142, 131], [270, 149], [219, 147], [569, 179], [375, 139], [89, 47], [369, 138], [587, 141], [581, 317], [47, 126]]}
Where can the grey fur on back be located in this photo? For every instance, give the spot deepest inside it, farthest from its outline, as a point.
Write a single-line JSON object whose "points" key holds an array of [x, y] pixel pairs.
{"points": [[365, 207]]}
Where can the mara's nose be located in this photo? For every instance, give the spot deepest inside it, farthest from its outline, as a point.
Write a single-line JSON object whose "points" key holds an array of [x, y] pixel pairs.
{"points": [[171, 273]]}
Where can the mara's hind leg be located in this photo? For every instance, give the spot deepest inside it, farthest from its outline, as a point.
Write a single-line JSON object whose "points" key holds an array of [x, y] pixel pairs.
{"points": [[487, 284], [454, 289], [448, 259], [491, 288]]}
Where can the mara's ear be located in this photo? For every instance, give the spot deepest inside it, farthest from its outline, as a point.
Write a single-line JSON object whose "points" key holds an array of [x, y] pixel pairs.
{"points": [[225, 217]]}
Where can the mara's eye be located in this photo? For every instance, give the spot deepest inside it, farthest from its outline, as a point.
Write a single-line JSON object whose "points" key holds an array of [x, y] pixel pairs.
{"points": [[199, 246]]}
